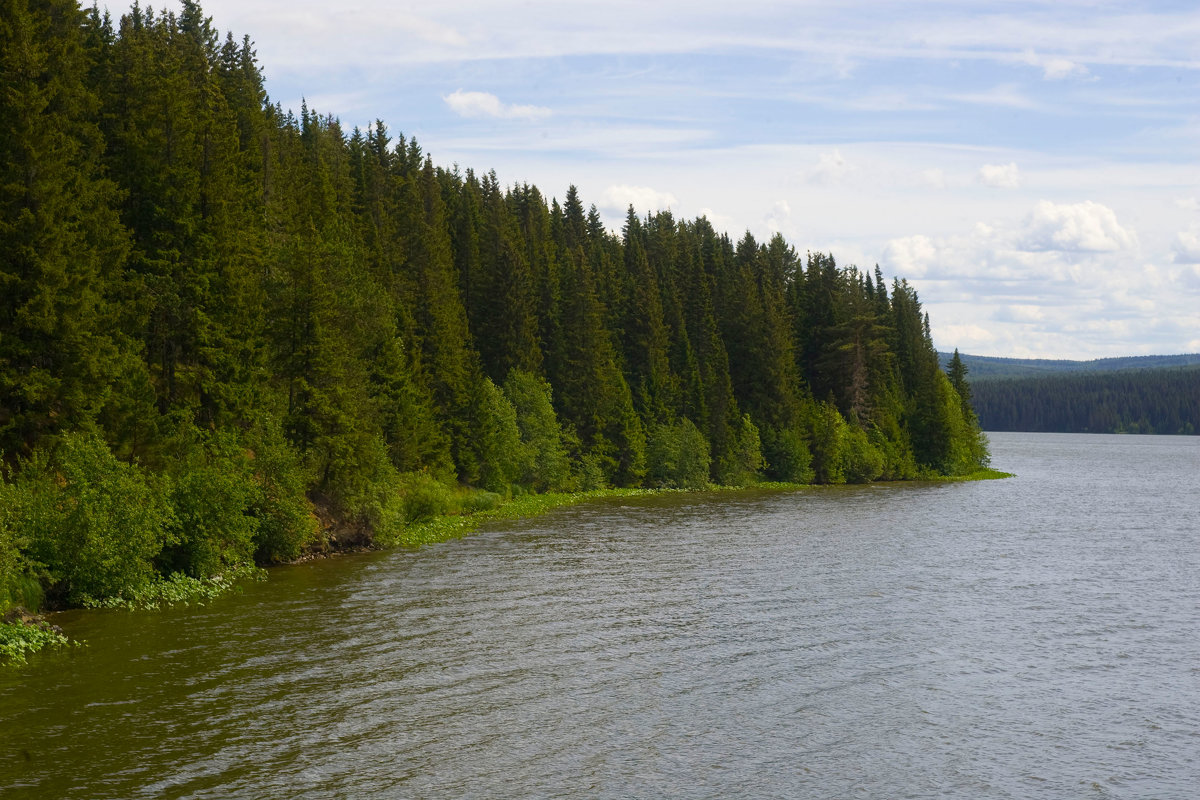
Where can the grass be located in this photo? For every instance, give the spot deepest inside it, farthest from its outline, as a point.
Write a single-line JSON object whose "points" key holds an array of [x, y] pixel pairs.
{"points": [[440, 529]]}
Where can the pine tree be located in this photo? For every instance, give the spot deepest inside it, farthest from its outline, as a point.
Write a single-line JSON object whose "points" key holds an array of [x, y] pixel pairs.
{"points": [[61, 350]]}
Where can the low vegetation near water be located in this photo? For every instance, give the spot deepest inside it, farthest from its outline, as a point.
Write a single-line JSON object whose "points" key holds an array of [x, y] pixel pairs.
{"points": [[233, 336]]}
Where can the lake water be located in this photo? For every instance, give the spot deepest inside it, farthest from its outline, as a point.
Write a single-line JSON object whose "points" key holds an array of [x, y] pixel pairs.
{"points": [[1032, 637]]}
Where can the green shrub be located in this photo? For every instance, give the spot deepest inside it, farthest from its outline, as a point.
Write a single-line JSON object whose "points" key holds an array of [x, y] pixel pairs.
{"points": [[499, 451], [861, 462], [677, 456], [17, 587], [213, 527], [17, 639], [826, 432], [740, 467], [286, 522], [422, 497], [787, 455], [96, 523], [545, 465]]}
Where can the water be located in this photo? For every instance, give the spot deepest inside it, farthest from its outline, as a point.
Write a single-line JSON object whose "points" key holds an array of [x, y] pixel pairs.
{"points": [[1035, 637]]}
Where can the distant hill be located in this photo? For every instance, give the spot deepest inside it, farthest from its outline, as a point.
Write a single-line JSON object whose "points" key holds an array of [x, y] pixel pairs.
{"points": [[983, 368], [1143, 394]]}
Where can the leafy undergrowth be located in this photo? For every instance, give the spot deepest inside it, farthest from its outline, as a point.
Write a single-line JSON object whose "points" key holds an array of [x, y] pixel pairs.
{"points": [[180, 589], [20, 638]]}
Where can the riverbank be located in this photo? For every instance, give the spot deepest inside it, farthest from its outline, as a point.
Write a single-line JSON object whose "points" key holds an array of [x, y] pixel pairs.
{"points": [[22, 633]]}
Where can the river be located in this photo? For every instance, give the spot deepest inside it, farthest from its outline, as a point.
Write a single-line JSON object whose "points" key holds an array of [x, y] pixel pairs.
{"points": [[1031, 637]]}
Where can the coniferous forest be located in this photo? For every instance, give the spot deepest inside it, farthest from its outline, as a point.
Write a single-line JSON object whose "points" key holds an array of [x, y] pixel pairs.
{"points": [[1155, 401], [230, 333]]}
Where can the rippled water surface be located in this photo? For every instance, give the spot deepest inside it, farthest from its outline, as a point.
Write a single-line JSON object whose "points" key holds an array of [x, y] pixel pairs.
{"points": [[1034, 637]]}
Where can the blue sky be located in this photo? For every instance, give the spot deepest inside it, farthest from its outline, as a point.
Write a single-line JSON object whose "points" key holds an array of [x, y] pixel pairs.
{"points": [[1033, 168]]}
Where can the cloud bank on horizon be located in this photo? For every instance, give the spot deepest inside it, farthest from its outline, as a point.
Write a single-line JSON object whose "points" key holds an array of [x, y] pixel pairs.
{"points": [[1033, 168]]}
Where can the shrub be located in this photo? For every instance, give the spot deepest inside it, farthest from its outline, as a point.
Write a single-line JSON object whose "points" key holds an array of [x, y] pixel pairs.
{"points": [[96, 523], [787, 455], [677, 456], [422, 497], [544, 464], [861, 461], [497, 439], [286, 522], [741, 465], [213, 494]]}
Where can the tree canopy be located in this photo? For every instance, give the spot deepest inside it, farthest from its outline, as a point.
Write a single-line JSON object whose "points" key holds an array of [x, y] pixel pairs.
{"points": [[260, 325]]}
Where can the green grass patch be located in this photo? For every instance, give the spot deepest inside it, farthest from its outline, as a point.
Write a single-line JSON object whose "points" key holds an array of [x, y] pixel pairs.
{"points": [[439, 529], [986, 474]]}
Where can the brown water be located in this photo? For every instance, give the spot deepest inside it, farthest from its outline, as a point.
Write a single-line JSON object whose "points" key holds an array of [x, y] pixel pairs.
{"points": [[1035, 637]]}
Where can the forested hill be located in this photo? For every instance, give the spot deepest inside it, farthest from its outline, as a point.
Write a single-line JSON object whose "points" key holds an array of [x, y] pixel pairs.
{"points": [[1162, 401], [221, 321], [982, 368]]}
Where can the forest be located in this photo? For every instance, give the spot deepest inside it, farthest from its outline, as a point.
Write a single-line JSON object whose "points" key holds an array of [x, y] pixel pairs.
{"points": [[231, 334], [1157, 401]]}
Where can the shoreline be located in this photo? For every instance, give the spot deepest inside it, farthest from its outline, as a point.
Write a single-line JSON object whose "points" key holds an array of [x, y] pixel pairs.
{"points": [[23, 633]]}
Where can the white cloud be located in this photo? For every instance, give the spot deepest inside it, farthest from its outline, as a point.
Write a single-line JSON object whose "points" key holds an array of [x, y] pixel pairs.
{"points": [[1000, 176], [934, 178], [778, 219], [483, 104], [643, 199], [1055, 68], [830, 168], [1079, 227], [1186, 248], [911, 256], [1018, 312]]}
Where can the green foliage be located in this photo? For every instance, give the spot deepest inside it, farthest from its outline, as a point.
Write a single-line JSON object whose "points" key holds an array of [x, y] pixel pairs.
{"points": [[286, 522], [787, 455], [180, 589], [18, 639], [861, 461], [423, 497], [544, 465], [95, 523], [1159, 400], [218, 319], [826, 432], [677, 456], [213, 494], [499, 452], [742, 465]]}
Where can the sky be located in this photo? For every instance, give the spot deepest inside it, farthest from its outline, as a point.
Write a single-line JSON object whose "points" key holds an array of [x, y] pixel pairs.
{"points": [[1032, 168]]}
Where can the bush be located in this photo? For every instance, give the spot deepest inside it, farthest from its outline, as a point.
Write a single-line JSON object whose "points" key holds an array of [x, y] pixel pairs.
{"points": [[422, 497], [677, 456], [861, 461], [286, 522], [213, 495], [741, 465], [826, 431], [544, 464], [14, 580], [95, 523], [787, 455], [499, 451]]}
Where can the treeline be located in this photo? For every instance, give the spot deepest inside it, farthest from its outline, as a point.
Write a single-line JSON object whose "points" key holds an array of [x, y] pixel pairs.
{"points": [[989, 367], [1162, 401], [227, 330]]}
